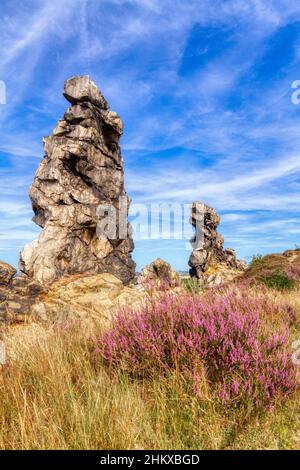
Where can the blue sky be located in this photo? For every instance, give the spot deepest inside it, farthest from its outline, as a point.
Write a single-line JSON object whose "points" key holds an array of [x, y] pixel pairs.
{"points": [[204, 89]]}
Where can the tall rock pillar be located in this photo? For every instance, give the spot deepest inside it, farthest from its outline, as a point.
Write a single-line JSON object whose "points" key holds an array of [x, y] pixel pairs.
{"points": [[81, 171]]}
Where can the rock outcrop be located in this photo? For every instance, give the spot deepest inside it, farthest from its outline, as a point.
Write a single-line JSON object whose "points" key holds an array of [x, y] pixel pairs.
{"points": [[79, 297], [82, 171], [209, 261], [17, 294], [85, 298], [7, 272]]}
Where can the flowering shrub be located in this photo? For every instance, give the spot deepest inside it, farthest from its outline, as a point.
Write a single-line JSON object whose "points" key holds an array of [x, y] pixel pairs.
{"points": [[276, 271], [238, 341]]}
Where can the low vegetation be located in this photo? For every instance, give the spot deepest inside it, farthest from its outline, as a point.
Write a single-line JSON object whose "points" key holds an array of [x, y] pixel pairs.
{"points": [[231, 341], [205, 371]]}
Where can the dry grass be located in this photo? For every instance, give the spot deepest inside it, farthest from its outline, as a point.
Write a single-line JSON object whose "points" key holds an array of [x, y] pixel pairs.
{"points": [[52, 396]]}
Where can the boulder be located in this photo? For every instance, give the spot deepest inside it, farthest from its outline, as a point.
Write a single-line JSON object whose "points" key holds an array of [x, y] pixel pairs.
{"points": [[90, 297], [78, 89], [7, 272], [78, 297], [158, 273]]}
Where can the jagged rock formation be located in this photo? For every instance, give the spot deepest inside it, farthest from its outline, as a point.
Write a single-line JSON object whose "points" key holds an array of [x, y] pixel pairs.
{"points": [[82, 170], [158, 273], [209, 261]]}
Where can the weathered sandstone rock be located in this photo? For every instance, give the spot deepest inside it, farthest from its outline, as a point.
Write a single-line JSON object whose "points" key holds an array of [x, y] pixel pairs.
{"points": [[78, 297], [159, 272], [82, 170], [7, 272], [17, 295], [286, 264], [209, 261], [85, 298]]}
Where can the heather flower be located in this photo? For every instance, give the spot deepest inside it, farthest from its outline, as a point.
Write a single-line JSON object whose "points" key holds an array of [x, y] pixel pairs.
{"points": [[237, 340]]}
